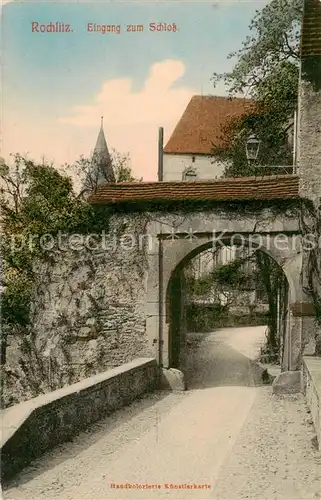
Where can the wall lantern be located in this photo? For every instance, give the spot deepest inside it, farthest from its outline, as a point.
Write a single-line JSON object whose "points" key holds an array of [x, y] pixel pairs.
{"points": [[252, 148]]}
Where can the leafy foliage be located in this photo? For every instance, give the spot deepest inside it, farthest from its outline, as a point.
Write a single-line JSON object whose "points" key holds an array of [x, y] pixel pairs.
{"points": [[231, 274], [274, 39], [206, 318], [122, 168], [16, 299], [223, 281], [89, 170], [37, 203], [267, 70], [42, 201]]}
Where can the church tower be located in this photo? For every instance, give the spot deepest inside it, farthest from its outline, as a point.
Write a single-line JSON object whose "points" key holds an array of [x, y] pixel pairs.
{"points": [[101, 171]]}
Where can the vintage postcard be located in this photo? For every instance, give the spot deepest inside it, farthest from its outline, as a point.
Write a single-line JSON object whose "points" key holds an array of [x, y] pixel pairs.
{"points": [[160, 193]]}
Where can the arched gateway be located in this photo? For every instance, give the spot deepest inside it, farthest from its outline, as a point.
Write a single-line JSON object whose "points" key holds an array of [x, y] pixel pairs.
{"points": [[185, 218], [175, 299], [270, 212]]}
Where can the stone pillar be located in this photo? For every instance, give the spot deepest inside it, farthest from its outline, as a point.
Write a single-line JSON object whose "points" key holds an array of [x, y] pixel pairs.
{"points": [[302, 328]]}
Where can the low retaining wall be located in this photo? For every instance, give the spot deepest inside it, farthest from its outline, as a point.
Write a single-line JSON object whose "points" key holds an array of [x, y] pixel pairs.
{"points": [[35, 426], [312, 390]]}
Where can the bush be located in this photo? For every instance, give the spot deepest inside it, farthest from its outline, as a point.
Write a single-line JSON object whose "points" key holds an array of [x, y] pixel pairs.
{"points": [[200, 318], [16, 300]]}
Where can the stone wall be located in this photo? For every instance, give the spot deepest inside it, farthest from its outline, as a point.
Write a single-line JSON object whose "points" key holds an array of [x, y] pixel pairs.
{"points": [[312, 391], [56, 417], [96, 308], [309, 142], [309, 158], [88, 313]]}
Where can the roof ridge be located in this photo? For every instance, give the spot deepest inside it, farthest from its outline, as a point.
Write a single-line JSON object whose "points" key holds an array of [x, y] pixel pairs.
{"points": [[206, 181], [212, 96], [235, 189]]}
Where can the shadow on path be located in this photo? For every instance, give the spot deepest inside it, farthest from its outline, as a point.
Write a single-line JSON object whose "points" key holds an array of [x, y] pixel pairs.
{"points": [[107, 427], [209, 363], [213, 363]]}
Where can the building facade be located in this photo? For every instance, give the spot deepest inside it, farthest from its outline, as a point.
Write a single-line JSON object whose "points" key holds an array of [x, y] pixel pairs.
{"points": [[188, 154]]}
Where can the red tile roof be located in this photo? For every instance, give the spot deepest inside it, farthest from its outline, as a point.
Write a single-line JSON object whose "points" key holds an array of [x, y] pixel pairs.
{"points": [[245, 188], [201, 123], [311, 29]]}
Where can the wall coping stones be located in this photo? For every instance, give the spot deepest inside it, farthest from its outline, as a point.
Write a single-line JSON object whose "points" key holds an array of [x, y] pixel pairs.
{"points": [[58, 415], [13, 417]]}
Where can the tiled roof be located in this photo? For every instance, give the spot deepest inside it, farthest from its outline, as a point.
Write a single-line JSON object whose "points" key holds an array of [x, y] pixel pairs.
{"points": [[311, 29], [201, 123], [245, 188]]}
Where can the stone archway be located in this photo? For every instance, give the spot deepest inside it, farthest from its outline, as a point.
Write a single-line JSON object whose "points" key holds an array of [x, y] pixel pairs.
{"points": [[174, 309], [176, 236], [171, 255]]}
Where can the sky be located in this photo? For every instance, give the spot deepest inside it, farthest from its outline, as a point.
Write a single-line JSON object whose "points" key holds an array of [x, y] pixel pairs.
{"points": [[56, 86]]}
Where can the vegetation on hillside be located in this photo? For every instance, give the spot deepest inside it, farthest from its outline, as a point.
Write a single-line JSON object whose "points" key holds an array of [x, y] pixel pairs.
{"points": [[37, 203]]}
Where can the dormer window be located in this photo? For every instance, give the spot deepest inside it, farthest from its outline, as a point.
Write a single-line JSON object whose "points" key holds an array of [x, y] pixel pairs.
{"points": [[190, 174]]}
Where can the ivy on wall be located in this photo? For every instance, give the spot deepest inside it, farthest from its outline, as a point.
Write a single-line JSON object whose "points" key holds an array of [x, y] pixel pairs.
{"points": [[310, 221], [37, 203]]}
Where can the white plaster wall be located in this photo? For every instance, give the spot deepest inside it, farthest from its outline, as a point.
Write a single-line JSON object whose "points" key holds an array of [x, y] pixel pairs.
{"points": [[175, 164]]}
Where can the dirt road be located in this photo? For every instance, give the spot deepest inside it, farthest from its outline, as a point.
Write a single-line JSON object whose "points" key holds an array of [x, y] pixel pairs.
{"points": [[227, 437]]}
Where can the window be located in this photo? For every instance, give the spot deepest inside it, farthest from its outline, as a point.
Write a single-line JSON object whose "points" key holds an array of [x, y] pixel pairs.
{"points": [[190, 174], [193, 159]]}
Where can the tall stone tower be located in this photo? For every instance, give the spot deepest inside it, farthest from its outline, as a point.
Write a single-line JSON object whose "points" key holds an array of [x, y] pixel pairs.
{"points": [[309, 170], [309, 116], [101, 171]]}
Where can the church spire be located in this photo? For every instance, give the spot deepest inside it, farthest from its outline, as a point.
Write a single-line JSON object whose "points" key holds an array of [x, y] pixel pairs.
{"points": [[101, 171], [104, 162]]}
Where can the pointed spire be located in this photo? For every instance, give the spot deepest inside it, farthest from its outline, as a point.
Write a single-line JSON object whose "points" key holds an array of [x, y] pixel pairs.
{"points": [[102, 171], [106, 172]]}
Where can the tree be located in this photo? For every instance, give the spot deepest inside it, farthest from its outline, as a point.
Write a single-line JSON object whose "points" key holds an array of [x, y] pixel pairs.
{"points": [[122, 168], [223, 281], [267, 71], [90, 170], [274, 39], [36, 201]]}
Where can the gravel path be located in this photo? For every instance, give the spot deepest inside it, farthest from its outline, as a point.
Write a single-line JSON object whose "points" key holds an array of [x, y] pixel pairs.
{"points": [[228, 435], [275, 456]]}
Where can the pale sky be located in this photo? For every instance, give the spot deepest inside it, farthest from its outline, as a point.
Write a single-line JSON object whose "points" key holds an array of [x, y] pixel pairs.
{"points": [[56, 86]]}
